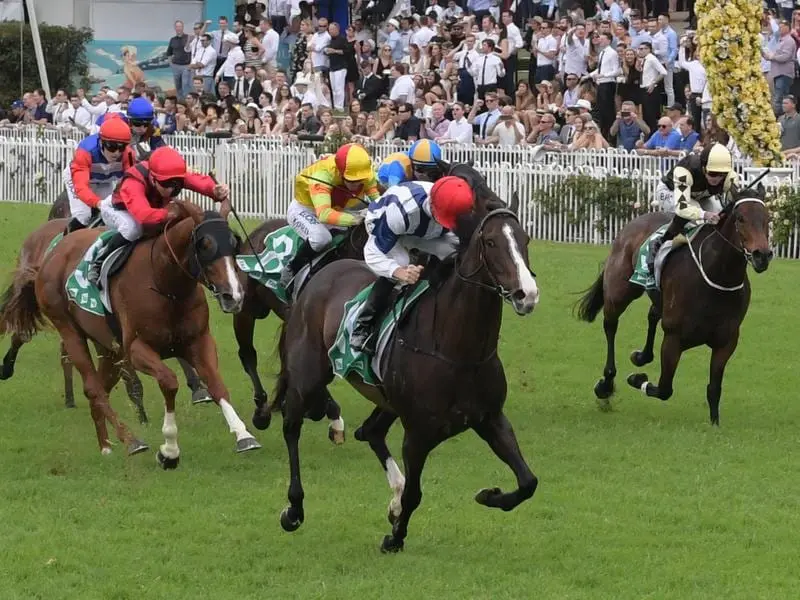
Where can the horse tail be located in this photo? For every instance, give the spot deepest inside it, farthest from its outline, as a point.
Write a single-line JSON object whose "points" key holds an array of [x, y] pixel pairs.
{"points": [[282, 384], [591, 303], [19, 312]]}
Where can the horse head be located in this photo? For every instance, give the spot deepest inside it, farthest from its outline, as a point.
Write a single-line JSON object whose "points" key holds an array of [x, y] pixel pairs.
{"points": [[494, 246], [212, 256], [748, 217]]}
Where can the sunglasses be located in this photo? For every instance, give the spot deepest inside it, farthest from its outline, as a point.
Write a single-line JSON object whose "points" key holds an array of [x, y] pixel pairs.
{"points": [[663, 126], [114, 146], [716, 174], [175, 185], [140, 122]]}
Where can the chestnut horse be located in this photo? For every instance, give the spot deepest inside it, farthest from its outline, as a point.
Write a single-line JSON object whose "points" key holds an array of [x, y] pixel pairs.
{"points": [[60, 210], [161, 310], [442, 372], [259, 301], [704, 293]]}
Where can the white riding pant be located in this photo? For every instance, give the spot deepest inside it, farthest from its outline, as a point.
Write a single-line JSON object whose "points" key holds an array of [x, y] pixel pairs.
{"points": [[77, 207], [120, 220], [384, 265], [304, 221], [338, 82], [665, 200]]}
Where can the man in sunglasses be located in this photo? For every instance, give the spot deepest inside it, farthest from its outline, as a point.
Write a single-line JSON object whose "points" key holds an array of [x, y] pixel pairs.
{"points": [[692, 180], [141, 198], [99, 163], [146, 133]]}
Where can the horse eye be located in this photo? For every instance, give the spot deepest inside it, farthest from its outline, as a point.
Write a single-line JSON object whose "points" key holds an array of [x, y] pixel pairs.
{"points": [[490, 243]]}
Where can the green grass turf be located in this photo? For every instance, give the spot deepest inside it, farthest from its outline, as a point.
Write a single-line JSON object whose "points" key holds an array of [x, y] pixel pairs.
{"points": [[647, 501]]}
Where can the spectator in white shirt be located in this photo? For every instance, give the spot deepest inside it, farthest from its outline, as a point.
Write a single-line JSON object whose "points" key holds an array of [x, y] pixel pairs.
{"points": [[435, 8], [515, 42], [653, 73], [507, 130], [235, 56], [204, 61], [453, 10], [57, 106], [403, 88], [608, 69], [459, 131], [218, 37], [546, 52], [487, 31], [316, 46], [488, 70], [270, 43], [422, 37], [485, 121], [76, 115], [576, 48]]}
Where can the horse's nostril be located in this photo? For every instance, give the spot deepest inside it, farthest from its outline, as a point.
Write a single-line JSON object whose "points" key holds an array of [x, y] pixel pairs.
{"points": [[519, 295], [770, 254]]}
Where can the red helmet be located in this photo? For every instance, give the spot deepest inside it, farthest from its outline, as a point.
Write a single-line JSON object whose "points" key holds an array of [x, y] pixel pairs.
{"points": [[115, 130], [166, 163], [451, 197]]}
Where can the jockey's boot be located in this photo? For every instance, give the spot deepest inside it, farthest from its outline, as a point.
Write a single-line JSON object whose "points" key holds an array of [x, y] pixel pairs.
{"points": [[675, 227], [117, 241], [655, 246], [304, 255], [362, 338], [73, 225]]}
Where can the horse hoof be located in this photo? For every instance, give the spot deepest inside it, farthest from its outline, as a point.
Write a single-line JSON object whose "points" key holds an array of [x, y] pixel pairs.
{"points": [[105, 451], [201, 396], [262, 419], [289, 525], [335, 435], [247, 444], [640, 359], [637, 380], [137, 447], [486, 496], [167, 463], [391, 546], [359, 435], [7, 372], [603, 390]]}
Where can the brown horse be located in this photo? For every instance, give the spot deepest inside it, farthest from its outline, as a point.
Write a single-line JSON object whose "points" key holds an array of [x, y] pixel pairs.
{"points": [[160, 310], [442, 372], [29, 259], [60, 210], [259, 301], [704, 293]]}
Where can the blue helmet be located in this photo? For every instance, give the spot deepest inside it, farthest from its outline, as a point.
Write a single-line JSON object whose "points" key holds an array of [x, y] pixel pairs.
{"points": [[425, 153], [140, 109], [396, 168]]}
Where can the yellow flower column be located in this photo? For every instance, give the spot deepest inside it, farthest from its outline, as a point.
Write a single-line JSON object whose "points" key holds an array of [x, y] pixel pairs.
{"points": [[729, 36]]}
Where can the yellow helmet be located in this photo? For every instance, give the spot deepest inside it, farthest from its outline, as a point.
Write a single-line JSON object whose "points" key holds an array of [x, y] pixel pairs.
{"points": [[718, 159], [354, 163]]}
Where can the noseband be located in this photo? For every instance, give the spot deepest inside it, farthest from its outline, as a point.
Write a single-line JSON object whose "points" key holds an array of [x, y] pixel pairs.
{"points": [[495, 287]]}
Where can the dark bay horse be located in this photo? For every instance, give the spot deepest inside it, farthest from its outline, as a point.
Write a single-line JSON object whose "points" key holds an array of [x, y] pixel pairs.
{"points": [[259, 301], [703, 299], [60, 210], [443, 375], [30, 257], [161, 311]]}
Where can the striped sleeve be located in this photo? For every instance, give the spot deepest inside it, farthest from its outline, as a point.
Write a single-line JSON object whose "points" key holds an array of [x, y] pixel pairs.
{"points": [[320, 188]]}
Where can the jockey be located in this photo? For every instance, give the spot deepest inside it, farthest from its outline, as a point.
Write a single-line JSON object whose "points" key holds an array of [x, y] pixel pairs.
{"points": [[144, 127], [395, 168], [694, 178], [416, 214], [327, 194], [423, 154], [99, 163], [140, 198]]}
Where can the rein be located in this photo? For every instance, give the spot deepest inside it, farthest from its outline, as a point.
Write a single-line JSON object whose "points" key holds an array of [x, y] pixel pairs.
{"points": [[698, 256]]}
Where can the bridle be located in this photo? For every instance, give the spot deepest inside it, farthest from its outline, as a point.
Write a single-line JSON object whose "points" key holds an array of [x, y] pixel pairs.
{"points": [[495, 287], [746, 254]]}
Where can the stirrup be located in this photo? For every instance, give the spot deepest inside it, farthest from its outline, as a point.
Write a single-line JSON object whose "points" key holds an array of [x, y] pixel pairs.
{"points": [[679, 240]]}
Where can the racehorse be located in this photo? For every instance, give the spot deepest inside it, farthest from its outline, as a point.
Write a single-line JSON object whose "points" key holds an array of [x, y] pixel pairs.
{"points": [[259, 301], [60, 210], [160, 311], [442, 372], [704, 294], [30, 257]]}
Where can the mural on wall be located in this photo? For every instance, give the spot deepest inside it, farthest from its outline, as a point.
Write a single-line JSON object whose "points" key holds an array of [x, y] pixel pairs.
{"points": [[119, 63]]}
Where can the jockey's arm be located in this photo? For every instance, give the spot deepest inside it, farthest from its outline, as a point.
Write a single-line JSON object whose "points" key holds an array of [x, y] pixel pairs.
{"points": [[685, 207], [131, 194], [200, 183], [80, 169], [320, 193], [371, 190], [379, 252]]}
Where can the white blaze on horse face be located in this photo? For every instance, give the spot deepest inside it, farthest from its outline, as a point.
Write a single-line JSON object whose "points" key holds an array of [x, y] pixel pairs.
{"points": [[527, 283], [233, 281], [170, 430], [398, 483]]}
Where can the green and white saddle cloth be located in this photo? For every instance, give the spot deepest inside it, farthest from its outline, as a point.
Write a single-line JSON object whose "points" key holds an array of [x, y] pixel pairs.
{"points": [[344, 359], [280, 247], [83, 293], [641, 274]]}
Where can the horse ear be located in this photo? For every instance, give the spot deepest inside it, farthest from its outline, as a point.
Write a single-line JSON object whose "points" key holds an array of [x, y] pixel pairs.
{"points": [[471, 163], [762, 191], [514, 206]]}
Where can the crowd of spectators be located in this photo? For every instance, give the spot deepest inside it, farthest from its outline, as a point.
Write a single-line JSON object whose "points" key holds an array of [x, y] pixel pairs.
{"points": [[451, 71]]}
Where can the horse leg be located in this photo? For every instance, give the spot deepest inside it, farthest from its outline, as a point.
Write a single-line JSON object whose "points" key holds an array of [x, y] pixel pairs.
{"points": [[374, 431], [203, 357], [244, 325], [199, 390], [719, 359], [670, 356], [133, 385], [293, 413], [415, 453], [605, 387], [334, 413], [66, 367], [643, 357], [10, 359], [147, 360], [498, 433], [78, 351]]}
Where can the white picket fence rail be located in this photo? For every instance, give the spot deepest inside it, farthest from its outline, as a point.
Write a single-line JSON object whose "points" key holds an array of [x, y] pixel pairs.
{"points": [[261, 174]]}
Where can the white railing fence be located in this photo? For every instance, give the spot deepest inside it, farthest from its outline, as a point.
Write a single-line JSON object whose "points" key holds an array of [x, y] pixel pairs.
{"points": [[261, 172]]}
